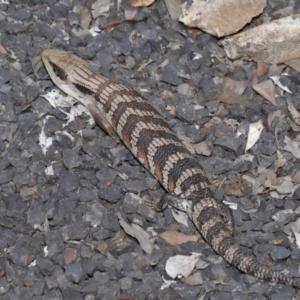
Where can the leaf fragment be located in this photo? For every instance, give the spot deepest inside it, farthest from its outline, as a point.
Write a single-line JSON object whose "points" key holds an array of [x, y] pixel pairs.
{"points": [[293, 111], [140, 3], [234, 86], [174, 238], [142, 236], [279, 84], [266, 89], [255, 130], [294, 63], [292, 146], [262, 68], [181, 266]]}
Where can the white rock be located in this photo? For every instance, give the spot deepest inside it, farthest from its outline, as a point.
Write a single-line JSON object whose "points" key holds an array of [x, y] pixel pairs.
{"points": [[272, 42], [220, 17]]}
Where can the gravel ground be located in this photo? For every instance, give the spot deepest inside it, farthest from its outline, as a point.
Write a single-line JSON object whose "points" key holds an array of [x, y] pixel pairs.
{"points": [[60, 237]]}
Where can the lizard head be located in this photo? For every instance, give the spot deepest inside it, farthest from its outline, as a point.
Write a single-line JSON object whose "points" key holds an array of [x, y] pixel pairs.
{"points": [[68, 72], [61, 64]]}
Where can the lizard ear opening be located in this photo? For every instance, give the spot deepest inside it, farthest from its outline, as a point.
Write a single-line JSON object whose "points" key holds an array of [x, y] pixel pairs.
{"points": [[59, 72]]}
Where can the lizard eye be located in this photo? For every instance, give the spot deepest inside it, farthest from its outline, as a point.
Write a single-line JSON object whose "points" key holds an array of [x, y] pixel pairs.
{"points": [[59, 72], [84, 90]]}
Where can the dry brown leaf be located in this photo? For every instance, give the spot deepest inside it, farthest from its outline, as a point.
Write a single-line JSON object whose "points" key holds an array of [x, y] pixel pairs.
{"points": [[293, 111], [295, 228], [140, 3], [103, 248], [174, 238], [296, 177], [255, 77], [195, 32], [276, 70], [116, 23], [234, 86], [211, 122], [271, 116], [24, 101], [280, 161], [166, 94], [174, 227], [292, 146], [99, 7], [2, 50], [294, 126], [294, 63], [231, 98], [171, 109], [258, 183], [86, 18], [276, 242], [262, 68], [274, 182], [139, 233], [295, 136], [222, 112], [194, 279], [202, 148], [286, 187], [236, 186], [271, 178], [266, 89], [278, 185]]}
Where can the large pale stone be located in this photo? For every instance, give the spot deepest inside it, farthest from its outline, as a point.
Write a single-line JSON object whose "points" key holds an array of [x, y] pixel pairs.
{"points": [[173, 7], [272, 42], [220, 17]]}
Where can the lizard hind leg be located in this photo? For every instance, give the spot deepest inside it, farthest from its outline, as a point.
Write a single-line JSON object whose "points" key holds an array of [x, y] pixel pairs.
{"points": [[187, 206], [175, 201]]}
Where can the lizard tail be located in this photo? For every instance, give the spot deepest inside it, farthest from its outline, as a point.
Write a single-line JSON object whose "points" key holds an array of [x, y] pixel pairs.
{"points": [[213, 225], [248, 264]]}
